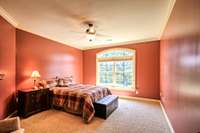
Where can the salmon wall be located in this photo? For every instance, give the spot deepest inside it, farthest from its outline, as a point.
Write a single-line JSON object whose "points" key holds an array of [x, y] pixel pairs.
{"points": [[147, 68], [50, 58], [180, 67], [7, 67]]}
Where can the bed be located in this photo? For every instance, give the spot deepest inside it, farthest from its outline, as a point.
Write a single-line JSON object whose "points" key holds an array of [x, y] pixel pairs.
{"points": [[78, 99]]}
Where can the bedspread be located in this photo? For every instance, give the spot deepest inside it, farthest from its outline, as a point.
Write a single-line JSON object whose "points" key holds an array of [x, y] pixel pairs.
{"points": [[79, 99]]}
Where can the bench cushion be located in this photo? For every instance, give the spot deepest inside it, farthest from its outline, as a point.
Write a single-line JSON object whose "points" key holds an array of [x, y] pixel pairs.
{"points": [[105, 106]]}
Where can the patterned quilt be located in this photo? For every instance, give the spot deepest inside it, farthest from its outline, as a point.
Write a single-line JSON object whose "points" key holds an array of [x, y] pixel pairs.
{"points": [[79, 99]]}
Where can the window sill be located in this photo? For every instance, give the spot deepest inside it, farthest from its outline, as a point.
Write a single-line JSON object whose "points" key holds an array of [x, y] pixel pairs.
{"points": [[111, 87], [121, 89]]}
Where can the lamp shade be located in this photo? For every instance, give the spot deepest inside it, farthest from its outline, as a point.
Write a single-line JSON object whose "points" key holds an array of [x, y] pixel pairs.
{"points": [[35, 74]]}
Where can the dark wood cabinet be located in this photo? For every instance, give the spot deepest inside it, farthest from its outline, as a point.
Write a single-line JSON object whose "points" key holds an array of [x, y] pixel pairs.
{"points": [[32, 101]]}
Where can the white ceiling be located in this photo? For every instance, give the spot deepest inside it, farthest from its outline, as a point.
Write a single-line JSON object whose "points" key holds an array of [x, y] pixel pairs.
{"points": [[122, 21]]}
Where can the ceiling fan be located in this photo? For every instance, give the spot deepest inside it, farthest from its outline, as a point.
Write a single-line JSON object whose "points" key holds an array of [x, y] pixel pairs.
{"points": [[91, 32]]}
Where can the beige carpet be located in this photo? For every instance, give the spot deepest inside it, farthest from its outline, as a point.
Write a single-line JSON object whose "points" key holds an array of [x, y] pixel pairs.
{"points": [[132, 116]]}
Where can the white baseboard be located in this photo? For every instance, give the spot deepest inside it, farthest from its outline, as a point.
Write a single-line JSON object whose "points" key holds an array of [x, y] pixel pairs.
{"points": [[139, 98], [167, 118]]}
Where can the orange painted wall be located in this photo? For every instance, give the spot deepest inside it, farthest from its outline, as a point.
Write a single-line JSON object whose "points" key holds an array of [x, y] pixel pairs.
{"points": [[147, 77], [50, 58], [180, 67], [7, 67]]}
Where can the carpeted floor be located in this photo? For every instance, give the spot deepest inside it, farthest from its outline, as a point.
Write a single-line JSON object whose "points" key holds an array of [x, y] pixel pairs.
{"points": [[132, 116]]}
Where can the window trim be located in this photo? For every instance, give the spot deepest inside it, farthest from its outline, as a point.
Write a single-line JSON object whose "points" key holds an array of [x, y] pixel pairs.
{"points": [[118, 59]]}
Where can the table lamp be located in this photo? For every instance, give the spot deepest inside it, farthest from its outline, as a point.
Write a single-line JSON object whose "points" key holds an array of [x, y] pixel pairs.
{"points": [[35, 75]]}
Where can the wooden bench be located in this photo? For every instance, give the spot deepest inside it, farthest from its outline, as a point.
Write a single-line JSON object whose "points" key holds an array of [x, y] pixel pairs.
{"points": [[105, 106]]}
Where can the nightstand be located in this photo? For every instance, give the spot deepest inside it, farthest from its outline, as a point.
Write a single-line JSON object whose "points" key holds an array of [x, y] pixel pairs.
{"points": [[32, 101]]}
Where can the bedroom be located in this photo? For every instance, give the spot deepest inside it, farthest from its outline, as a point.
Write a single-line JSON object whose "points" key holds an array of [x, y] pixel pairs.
{"points": [[145, 52]]}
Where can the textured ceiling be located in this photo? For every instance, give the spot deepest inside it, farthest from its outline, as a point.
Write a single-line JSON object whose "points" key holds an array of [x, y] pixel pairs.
{"points": [[121, 21]]}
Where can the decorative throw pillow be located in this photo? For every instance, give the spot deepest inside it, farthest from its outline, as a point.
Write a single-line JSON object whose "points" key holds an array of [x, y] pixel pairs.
{"points": [[51, 83], [60, 82], [67, 82], [43, 84]]}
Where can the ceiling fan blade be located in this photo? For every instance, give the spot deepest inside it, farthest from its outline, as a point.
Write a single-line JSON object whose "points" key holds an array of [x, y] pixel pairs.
{"points": [[103, 35], [78, 32], [102, 39], [79, 38]]}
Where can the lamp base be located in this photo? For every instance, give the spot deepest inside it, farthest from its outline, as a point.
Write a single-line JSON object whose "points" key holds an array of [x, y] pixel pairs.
{"points": [[34, 85], [35, 88]]}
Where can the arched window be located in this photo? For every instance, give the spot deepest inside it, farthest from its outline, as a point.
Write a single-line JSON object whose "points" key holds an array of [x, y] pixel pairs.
{"points": [[116, 68]]}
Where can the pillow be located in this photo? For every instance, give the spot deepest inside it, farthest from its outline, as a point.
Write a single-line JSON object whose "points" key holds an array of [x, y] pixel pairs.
{"points": [[43, 84], [60, 82], [64, 82], [51, 83], [67, 81]]}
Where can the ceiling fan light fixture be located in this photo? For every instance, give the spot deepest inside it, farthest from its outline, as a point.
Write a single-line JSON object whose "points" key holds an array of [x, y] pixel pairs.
{"points": [[91, 30], [91, 37]]}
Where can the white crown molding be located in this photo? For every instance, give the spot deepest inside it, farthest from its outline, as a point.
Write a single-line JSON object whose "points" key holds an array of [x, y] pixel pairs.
{"points": [[170, 8], [8, 17]]}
